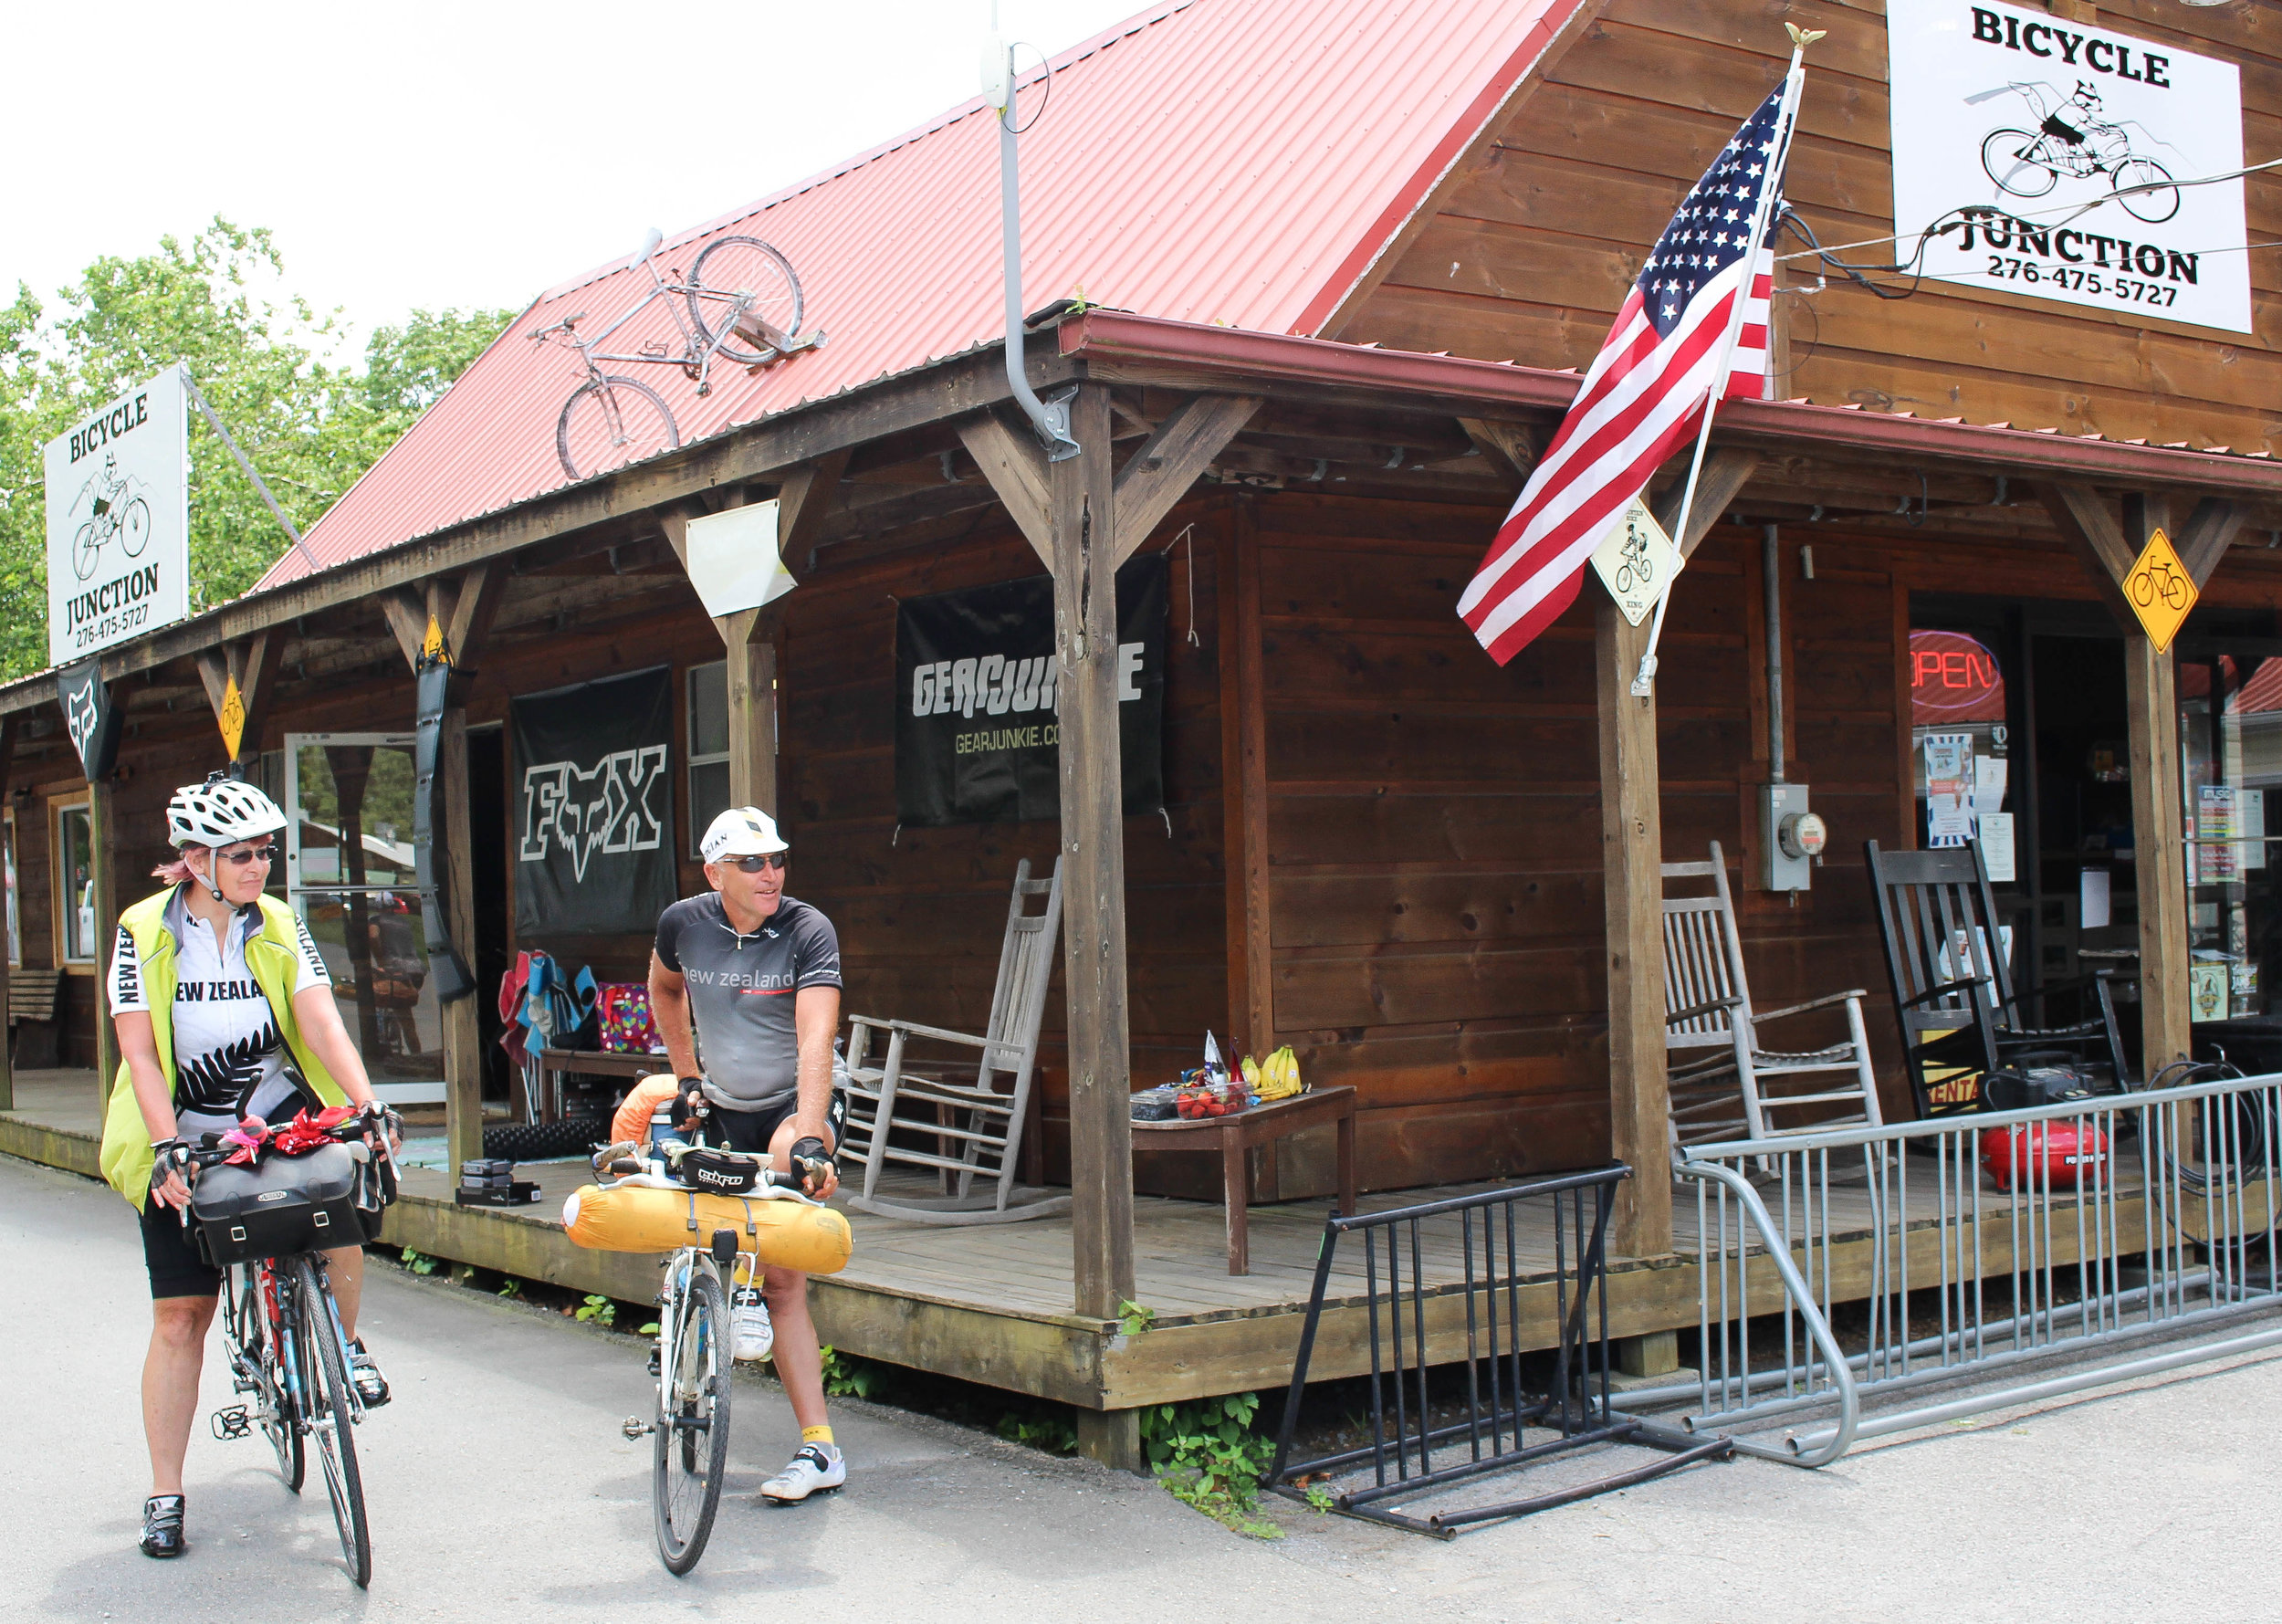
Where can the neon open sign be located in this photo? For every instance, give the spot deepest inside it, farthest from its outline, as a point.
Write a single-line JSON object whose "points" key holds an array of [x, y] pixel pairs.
{"points": [[1954, 678]]}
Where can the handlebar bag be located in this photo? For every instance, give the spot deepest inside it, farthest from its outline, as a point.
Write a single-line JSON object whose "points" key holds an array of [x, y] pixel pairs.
{"points": [[281, 1205]]}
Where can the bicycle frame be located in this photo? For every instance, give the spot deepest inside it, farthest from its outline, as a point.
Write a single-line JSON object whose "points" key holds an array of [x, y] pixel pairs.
{"points": [[695, 358]]}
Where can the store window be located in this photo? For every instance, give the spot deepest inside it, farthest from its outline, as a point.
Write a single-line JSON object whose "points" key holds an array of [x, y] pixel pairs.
{"points": [[2230, 731], [8, 872], [708, 748], [1960, 746], [74, 886]]}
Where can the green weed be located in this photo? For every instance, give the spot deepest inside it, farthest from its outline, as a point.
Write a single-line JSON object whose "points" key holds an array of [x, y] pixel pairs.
{"points": [[1207, 1455], [598, 1311], [419, 1262]]}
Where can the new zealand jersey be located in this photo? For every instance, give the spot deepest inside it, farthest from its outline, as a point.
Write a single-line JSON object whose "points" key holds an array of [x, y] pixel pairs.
{"points": [[225, 1034], [741, 993]]}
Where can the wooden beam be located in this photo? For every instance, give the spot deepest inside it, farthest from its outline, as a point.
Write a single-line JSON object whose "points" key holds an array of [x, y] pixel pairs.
{"points": [[1632, 848], [2088, 524], [1726, 470], [804, 500], [1169, 461], [750, 637], [1017, 470], [10, 727], [475, 606], [2208, 532], [103, 856], [408, 620], [1507, 447], [1244, 789], [1093, 858]]}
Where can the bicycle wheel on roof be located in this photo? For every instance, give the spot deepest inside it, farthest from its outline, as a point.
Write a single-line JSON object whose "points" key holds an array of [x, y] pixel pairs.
{"points": [[734, 266], [608, 422]]}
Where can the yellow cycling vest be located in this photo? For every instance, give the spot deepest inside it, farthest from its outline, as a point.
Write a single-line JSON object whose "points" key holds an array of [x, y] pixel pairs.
{"points": [[271, 956]]}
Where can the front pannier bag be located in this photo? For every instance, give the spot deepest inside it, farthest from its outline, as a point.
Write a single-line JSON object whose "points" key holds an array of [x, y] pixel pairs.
{"points": [[283, 1205]]}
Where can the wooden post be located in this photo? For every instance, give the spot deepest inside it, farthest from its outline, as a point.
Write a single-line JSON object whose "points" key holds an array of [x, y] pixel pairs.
{"points": [[103, 859], [1632, 848], [8, 726], [1244, 792], [241, 680]]}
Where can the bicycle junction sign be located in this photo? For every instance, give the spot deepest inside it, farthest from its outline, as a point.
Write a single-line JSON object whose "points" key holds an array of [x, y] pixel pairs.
{"points": [[2057, 160], [119, 520]]}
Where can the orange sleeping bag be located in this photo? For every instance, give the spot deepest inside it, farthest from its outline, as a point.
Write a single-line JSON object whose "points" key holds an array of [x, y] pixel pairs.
{"points": [[639, 1217]]}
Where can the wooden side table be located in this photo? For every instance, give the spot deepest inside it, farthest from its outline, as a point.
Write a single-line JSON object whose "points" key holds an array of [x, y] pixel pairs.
{"points": [[552, 1063], [1233, 1135]]}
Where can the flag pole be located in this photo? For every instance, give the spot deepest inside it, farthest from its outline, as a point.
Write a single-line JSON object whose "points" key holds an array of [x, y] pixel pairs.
{"points": [[1644, 680]]}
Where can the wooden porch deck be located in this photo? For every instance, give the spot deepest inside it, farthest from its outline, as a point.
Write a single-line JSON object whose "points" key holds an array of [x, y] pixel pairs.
{"points": [[991, 1303]]}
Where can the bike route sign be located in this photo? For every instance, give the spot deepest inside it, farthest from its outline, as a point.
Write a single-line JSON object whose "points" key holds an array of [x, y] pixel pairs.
{"points": [[119, 520], [2160, 590], [2008, 120]]}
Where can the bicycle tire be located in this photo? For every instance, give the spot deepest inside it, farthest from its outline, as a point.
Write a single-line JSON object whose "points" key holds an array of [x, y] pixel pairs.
{"points": [[778, 306], [325, 1378], [601, 446], [134, 541], [701, 1359], [2154, 207], [84, 550], [2011, 162], [280, 1416]]}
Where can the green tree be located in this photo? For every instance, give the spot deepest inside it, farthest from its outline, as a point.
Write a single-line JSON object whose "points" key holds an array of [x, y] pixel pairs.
{"points": [[260, 357]]}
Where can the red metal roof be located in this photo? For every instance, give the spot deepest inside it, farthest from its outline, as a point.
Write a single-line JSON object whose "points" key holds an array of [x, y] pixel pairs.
{"points": [[1236, 162]]}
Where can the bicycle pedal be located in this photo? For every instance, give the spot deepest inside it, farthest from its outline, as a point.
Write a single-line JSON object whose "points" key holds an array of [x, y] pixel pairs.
{"points": [[232, 1423], [654, 1361], [633, 1426]]}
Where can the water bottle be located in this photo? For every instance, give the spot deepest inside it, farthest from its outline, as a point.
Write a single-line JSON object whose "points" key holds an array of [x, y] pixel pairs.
{"points": [[748, 1319], [661, 1130]]}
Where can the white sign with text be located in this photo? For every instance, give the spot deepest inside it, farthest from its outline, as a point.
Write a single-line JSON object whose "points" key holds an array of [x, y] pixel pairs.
{"points": [[119, 520], [2008, 122]]}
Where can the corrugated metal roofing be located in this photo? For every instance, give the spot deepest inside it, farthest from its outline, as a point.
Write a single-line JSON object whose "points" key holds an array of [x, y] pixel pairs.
{"points": [[1239, 162]]}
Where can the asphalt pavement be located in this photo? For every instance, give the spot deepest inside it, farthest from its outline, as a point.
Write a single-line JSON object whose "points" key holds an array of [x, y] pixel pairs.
{"points": [[499, 1487]]}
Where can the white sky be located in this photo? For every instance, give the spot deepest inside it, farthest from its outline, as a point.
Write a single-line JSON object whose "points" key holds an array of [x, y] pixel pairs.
{"points": [[431, 155]]}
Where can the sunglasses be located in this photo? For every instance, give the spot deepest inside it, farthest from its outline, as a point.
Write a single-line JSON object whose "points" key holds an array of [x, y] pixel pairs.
{"points": [[755, 862], [245, 854]]}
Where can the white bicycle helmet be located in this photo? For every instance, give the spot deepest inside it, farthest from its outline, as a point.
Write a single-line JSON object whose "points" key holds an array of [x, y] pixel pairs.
{"points": [[220, 812]]}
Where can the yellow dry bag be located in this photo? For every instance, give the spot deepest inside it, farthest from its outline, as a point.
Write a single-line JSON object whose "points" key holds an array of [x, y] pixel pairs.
{"points": [[640, 1217]]}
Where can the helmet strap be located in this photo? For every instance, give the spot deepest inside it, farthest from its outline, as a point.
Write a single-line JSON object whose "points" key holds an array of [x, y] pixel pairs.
{"points": [[206, 879]]}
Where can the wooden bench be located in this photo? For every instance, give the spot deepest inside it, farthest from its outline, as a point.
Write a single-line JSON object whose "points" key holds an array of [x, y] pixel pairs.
{"points": [[33, 996]]}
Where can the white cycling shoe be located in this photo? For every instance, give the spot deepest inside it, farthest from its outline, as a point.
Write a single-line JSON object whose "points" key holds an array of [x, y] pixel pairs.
{"points": [[817, 1467]]}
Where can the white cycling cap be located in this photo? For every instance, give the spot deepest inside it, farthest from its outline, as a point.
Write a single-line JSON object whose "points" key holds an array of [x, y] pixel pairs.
{"points": [[741, 832]]}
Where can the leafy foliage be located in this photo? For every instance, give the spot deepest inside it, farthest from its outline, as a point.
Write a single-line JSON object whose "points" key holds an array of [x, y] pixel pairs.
{"points": [[260, 356], [597, 1310], [1207, 1455], [419, 1262], [847, 1376]]}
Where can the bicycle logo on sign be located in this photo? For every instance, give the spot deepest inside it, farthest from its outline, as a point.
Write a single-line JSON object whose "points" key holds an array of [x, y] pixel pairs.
{"points": [[2074, 140], [117, 510], [1635, 566], [741, 303], [2156, 579]]}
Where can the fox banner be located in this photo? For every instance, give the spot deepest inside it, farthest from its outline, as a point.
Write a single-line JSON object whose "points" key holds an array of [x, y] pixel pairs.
{"points": [[119, 520], [978, 737], [594, 818], [2057, 160]]}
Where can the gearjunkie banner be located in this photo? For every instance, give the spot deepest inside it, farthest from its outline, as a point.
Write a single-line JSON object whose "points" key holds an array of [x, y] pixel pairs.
{"points": [[595, 815], [978, 697], [2008, 120]]}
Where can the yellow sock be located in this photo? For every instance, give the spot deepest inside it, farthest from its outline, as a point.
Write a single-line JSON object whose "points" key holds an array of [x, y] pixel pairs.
{"points": [[815, 1434]]}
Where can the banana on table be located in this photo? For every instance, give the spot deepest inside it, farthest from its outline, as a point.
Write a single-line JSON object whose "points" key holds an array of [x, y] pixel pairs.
{"points": [[1274, 1078]]}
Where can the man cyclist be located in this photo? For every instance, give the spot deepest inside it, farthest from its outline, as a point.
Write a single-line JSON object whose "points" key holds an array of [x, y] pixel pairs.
{"points": [[224, 1008], [759, 972]]}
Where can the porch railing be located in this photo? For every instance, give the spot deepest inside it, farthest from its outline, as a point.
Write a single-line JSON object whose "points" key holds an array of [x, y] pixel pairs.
{"points": [[1450, 1395], [1846, 1275]]}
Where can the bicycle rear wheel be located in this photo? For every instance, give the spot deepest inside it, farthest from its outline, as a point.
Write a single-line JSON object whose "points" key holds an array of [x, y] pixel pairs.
{"points": [[692, 1441], [610, 422], [332, 1412], [254, 1341], [735, 265]]}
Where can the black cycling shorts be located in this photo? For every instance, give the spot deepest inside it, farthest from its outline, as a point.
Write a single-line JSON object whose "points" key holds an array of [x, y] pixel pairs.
{"points": [[171, 1255], [750, 1131]]}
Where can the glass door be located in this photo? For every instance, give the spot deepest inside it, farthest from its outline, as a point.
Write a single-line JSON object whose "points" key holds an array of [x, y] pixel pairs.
{"points": [[348, 874], [2230, 731]]}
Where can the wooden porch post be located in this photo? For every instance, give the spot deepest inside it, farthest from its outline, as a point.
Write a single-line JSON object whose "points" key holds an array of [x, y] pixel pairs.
{"points": [[2110, 549], [458, 613], [103, 862], [241, 679], [750, 636], [8, 735]]}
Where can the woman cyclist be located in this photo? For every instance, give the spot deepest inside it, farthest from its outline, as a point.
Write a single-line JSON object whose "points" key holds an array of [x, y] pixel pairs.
{"points": [[224, 1008]]}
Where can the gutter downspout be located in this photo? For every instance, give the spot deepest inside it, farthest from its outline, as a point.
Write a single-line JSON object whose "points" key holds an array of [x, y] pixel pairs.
{"points": [[1050, 418], [1770, 565]]}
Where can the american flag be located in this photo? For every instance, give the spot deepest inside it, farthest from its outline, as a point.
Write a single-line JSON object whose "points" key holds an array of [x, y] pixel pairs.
{"points": [[1646, 388]]}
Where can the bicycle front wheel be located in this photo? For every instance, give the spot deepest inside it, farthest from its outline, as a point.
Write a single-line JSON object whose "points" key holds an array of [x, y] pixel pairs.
{"points": [[745, 266], [692, 1441], [254, 1339], [134, 526], [331, 1414], [610, 422], [84, 549], [2154, 205]]}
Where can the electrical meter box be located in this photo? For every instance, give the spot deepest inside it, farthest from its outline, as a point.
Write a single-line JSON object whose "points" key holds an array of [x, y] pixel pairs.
{"points": [[1791, 838]]}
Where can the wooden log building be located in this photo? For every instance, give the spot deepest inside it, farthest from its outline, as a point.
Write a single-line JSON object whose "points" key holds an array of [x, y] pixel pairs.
{"points": [[1318, 384]]}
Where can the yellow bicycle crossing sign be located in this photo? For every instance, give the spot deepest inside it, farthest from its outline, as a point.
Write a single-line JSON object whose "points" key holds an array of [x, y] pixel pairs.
{"points": [[2160, 590]]}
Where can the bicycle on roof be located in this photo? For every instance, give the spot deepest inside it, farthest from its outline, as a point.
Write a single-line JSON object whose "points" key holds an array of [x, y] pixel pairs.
{"points": [[741, 303]]}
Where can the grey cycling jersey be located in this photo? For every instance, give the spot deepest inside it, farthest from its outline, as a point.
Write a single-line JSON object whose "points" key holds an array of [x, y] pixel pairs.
{"points": [[741, 993]]}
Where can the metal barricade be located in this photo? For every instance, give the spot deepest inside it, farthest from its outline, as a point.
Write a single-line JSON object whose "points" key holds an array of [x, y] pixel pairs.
{"points": [[1446, 1397], [1844, 1274]]}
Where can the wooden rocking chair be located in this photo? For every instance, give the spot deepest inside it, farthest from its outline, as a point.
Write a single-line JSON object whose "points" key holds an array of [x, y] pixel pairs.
{"points": [[975, 1128], [1735, 1090]]}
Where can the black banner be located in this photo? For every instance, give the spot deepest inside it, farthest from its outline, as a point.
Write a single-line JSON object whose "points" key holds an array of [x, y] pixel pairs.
{"points": [[594, 821], [977, 700], [432, 692], [90, 718]]}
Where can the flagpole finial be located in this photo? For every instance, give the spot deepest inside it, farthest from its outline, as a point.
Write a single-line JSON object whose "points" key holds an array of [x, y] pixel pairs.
{"points": [[1803, 37]]}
